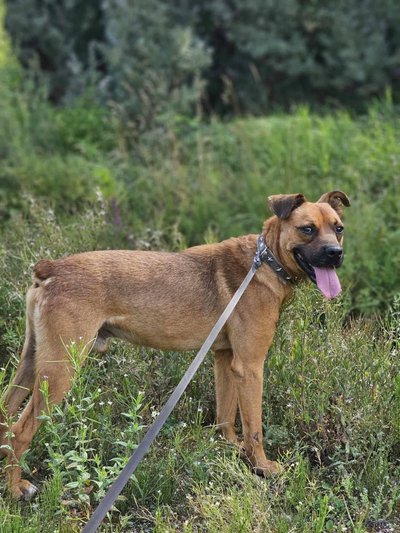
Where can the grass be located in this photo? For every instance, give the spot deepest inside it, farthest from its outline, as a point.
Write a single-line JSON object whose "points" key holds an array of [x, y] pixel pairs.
{"points": [[331, 413], [72, 180], [193, 181]]}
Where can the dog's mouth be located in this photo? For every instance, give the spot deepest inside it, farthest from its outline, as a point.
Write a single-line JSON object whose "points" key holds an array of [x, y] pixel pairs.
{"points": [[325, 277], [305, 265]]}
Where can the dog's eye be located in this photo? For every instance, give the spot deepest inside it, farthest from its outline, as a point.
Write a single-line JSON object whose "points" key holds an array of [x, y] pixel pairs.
{"points": [[308, 230], [339, 229]]}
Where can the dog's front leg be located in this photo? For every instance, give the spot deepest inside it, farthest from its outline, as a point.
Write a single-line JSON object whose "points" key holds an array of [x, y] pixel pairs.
{"points": [[248, 367], [226, 394]]}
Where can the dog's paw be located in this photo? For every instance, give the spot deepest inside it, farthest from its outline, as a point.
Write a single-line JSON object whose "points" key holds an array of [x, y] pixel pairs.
{"points": [[268, 468], [23, 490]]}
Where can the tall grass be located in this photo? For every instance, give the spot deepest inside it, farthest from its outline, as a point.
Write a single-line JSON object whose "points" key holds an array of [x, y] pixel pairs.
{"points": [[331, 411], [216, 180], [72, 180], [210, 181]]}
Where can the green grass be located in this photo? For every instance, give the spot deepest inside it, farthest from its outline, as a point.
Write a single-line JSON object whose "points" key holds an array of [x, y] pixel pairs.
{"points": [[72, 180], [193, 181], [331, 413]]}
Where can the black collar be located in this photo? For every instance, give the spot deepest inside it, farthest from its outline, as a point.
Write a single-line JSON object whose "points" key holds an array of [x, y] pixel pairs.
{"points": [[264, 255]]}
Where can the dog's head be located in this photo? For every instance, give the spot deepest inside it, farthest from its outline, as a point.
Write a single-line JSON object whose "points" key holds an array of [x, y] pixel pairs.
{"points": [[311, 236]]}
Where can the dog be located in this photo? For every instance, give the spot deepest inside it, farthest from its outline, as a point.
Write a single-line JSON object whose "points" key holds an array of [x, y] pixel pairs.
{"points": [[171, 301]]}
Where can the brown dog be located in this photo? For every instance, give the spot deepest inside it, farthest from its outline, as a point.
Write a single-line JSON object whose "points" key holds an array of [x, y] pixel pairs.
{"points": [[171, 301]]}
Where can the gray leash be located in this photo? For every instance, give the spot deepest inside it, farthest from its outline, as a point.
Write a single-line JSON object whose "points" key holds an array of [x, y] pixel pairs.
{"points": [[123, 478]]}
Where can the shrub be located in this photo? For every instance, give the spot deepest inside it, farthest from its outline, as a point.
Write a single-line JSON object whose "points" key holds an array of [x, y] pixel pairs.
{"points": [[148, 57], [276, 53], [133, 55]]}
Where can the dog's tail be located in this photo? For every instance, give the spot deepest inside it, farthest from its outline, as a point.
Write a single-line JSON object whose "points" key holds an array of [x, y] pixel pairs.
{"points": [[43, 270]]}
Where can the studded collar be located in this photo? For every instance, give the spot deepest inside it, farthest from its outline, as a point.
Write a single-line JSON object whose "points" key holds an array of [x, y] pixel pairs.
{"points": [[264, 255]]}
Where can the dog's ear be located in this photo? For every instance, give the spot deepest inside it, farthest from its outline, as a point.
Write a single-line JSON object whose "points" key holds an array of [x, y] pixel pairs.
{"points": [[283, 204], [337, 200]]}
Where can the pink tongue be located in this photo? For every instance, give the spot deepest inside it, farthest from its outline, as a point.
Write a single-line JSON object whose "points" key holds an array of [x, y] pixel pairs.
{"points": [[327, 281]]}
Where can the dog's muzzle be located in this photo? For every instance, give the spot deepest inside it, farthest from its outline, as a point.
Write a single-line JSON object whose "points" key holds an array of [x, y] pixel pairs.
{"points": [[327, 256]]}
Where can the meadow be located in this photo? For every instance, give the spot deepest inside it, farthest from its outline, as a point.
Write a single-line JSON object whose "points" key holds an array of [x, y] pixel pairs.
{"points": [[73, 179]]}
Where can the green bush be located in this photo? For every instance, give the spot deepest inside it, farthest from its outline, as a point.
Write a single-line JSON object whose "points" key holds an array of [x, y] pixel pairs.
{"points": [[131, 55], [51, 153], [57, 39], [153, 64], [271, 53], [148, 57]]}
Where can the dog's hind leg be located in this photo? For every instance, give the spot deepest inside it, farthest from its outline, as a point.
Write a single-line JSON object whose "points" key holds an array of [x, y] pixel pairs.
{"points": [[24, 378], [18, 390], [24, 429], [226, 394], [55, 369]]}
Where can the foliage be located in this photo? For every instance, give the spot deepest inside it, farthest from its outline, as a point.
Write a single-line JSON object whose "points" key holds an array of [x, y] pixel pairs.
{"points": [[153, 65], [268, 53], [49, 152], [141, 172], [5, 48], [331, 409], [148, 57], [129, 54], [219, 177], [197, 181], [56, 38]]}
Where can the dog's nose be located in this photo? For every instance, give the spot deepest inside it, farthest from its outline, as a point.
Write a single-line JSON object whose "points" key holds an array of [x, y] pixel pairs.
{"points": [[334, 252]]}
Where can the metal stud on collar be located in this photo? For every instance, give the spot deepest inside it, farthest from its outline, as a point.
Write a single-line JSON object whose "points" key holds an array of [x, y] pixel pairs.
{"points": [[264, 255]]}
